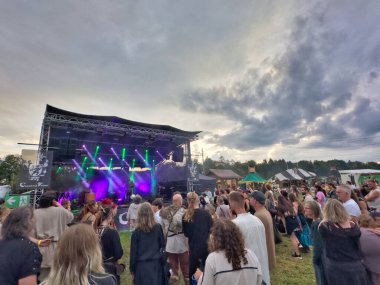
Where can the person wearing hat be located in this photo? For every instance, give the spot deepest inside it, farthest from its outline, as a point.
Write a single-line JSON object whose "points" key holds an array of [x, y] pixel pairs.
{"points": [[257, 200]]}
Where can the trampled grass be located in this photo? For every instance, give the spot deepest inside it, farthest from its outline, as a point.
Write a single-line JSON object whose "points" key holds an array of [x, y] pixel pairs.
{"points": [[289, 271]]}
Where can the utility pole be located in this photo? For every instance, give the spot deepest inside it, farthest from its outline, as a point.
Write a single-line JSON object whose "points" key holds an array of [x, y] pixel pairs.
{"points": [[203, 164]]}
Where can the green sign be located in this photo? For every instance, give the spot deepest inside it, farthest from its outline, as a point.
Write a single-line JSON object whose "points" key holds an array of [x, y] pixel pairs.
{"points": [[14, 200]]}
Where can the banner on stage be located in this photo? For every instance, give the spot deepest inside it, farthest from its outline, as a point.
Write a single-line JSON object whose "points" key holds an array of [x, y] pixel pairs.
{"points": [[38, 175]]}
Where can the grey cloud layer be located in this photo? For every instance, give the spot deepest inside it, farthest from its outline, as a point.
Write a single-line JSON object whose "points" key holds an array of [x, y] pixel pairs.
{"points": [[310, 90]]}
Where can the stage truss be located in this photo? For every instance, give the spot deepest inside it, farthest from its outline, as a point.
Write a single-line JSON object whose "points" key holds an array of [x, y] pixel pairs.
{"points": [[60, 119]]}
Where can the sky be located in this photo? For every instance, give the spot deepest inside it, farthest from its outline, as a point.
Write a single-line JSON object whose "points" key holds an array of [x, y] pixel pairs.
{"points": [[298, 80]]}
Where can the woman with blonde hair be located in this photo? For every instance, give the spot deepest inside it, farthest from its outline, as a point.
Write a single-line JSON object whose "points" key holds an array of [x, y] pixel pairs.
{"points": [[313, 211], [196, 226], [78, 259], [341, 239], [147, 260]]}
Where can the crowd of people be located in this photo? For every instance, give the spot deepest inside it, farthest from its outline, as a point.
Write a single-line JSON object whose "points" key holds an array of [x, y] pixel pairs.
{"points": [[225, 237]]}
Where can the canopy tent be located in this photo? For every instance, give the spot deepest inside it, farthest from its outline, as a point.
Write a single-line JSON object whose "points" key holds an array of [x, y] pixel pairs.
{"points": [[358, 176], [253, 177], [295, 174]]}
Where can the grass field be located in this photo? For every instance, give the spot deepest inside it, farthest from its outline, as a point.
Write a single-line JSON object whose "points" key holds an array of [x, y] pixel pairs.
{"points": [[289, 271]]}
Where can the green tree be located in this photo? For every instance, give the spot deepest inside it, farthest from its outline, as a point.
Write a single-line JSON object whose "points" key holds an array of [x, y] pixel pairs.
{"points": [[9, 169]]}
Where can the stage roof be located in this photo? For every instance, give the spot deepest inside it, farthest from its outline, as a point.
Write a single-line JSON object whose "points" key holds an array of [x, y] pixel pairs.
{"points": [[113, 119], [67, 132]]}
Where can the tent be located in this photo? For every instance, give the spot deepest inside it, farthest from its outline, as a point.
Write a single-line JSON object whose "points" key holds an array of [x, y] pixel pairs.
{"points": [[253, 177]]}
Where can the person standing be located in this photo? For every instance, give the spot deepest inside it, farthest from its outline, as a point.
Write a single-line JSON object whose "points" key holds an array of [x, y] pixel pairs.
{"points": [[222, 210], [370, 247], [344, 195], [313, 211], [132, 211], [257, 200], [112, 250], [51, 221], [20, 258], [78, 259], [253, 231], [287, 213], [373, 197], [176, 243], [89, 213], [147, 264], [306, 192], [156, 207], [341, 238], [197, 225], [320, 196], [229, 262]]}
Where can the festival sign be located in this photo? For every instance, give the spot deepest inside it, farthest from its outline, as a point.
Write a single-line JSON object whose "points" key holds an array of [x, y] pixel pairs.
{"points": [[15, 200], [38, 175]]}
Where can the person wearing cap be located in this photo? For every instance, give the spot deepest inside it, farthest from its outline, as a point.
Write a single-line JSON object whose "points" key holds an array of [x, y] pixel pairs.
{"points": [[257, 200]]}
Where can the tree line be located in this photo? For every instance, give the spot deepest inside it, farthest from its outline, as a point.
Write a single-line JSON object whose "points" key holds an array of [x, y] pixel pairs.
{"points": [[268, 168]]}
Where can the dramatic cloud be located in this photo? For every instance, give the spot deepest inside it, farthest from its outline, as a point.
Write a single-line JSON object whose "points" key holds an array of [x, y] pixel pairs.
{"points": [[260, 78], [310, 90]]}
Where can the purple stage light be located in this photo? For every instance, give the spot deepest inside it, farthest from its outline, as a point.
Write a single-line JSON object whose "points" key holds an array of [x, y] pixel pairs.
{"points": [[100, 186], [142, 158], [114, 152]]}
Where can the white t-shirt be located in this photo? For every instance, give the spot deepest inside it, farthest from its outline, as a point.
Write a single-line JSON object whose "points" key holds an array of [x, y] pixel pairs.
{"points": [[157, 217], [375, 203], [352, 208], [219, 271], [254, 236]]}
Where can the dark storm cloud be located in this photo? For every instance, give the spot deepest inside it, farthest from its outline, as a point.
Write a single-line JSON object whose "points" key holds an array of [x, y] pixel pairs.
{"points": [[310, 90]]}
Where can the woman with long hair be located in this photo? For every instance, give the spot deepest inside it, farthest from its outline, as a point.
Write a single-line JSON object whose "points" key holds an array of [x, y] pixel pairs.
{"points": [[78, 259], [287, 213], [303, 235], [20, 258], [196, 225], [313, 211], [112, 250], [89, 213], [341, 239], [147, 260], [229, 262]]}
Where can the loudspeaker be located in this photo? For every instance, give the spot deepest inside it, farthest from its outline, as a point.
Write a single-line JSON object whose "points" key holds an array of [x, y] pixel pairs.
{"points": [[178, 154]]}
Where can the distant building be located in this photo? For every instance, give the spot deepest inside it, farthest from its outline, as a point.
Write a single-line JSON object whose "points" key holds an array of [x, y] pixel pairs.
{"points": [[225, 178]]}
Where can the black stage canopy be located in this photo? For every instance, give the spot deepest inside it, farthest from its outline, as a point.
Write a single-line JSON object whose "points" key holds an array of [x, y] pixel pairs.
{"points": [[67, 134]]}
